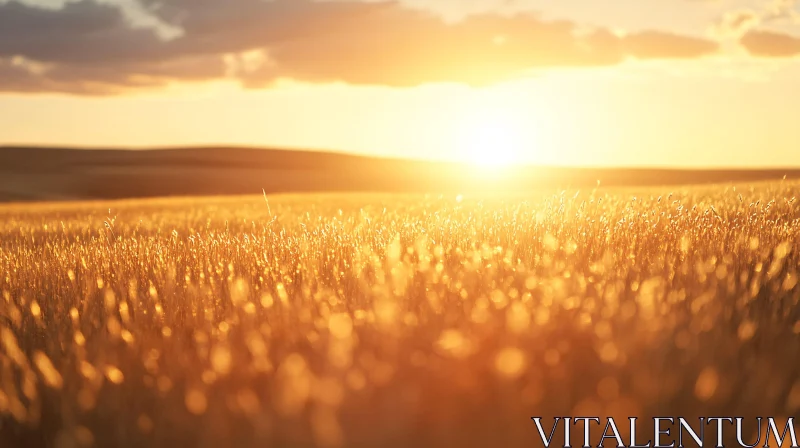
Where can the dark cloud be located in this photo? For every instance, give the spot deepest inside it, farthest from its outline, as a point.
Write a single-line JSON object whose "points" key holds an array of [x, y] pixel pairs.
{"points": [[83, 32], [16, 78], [87, 47], [770, 44]]}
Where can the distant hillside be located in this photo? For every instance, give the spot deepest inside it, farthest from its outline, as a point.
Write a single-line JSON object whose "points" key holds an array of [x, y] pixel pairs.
{"points": [[29, 174]]}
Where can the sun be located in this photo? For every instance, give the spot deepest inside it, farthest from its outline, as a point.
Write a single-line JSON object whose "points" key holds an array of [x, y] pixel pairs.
{"points": [[494, 137], [493, 143]]}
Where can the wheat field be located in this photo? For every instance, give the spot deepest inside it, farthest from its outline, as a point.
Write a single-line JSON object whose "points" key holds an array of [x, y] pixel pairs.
{"points": [[379, 320]]}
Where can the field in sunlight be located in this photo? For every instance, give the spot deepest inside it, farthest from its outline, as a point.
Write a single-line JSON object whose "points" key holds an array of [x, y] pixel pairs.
{"points": [[376, 320]]}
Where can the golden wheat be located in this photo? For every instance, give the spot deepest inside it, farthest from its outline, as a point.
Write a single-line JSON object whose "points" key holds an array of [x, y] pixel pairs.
{"points": [[370, 320]]}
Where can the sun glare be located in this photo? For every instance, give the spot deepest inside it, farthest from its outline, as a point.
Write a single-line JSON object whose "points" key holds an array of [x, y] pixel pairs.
{"points": [[492, 143], [494, 137]]}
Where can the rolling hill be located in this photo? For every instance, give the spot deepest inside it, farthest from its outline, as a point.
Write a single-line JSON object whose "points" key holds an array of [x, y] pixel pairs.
{"points": [[37, 173]]}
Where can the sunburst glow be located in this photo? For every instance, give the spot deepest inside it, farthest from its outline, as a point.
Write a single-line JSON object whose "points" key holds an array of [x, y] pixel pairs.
{"points": [[495, 135], [493, 143]]}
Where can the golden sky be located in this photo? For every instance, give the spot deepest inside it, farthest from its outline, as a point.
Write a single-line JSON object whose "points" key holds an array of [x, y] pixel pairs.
{"points": [[579, 82]]}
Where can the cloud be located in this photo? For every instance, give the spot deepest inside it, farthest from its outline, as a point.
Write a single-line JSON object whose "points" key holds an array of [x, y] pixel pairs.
{"points": [[778, 10], [660, 45], [736, 23], [87, 47], [770, 44], [83, 32]]}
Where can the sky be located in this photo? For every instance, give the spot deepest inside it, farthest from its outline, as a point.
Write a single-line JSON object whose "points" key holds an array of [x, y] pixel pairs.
{"points": [[679, 83]]}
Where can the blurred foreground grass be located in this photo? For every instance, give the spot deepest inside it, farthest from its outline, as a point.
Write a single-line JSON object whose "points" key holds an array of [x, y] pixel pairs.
{"points": [[370, 320]]}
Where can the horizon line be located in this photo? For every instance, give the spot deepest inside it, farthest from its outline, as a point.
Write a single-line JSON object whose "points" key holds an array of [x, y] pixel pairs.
{"points": [[390, 158]]}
